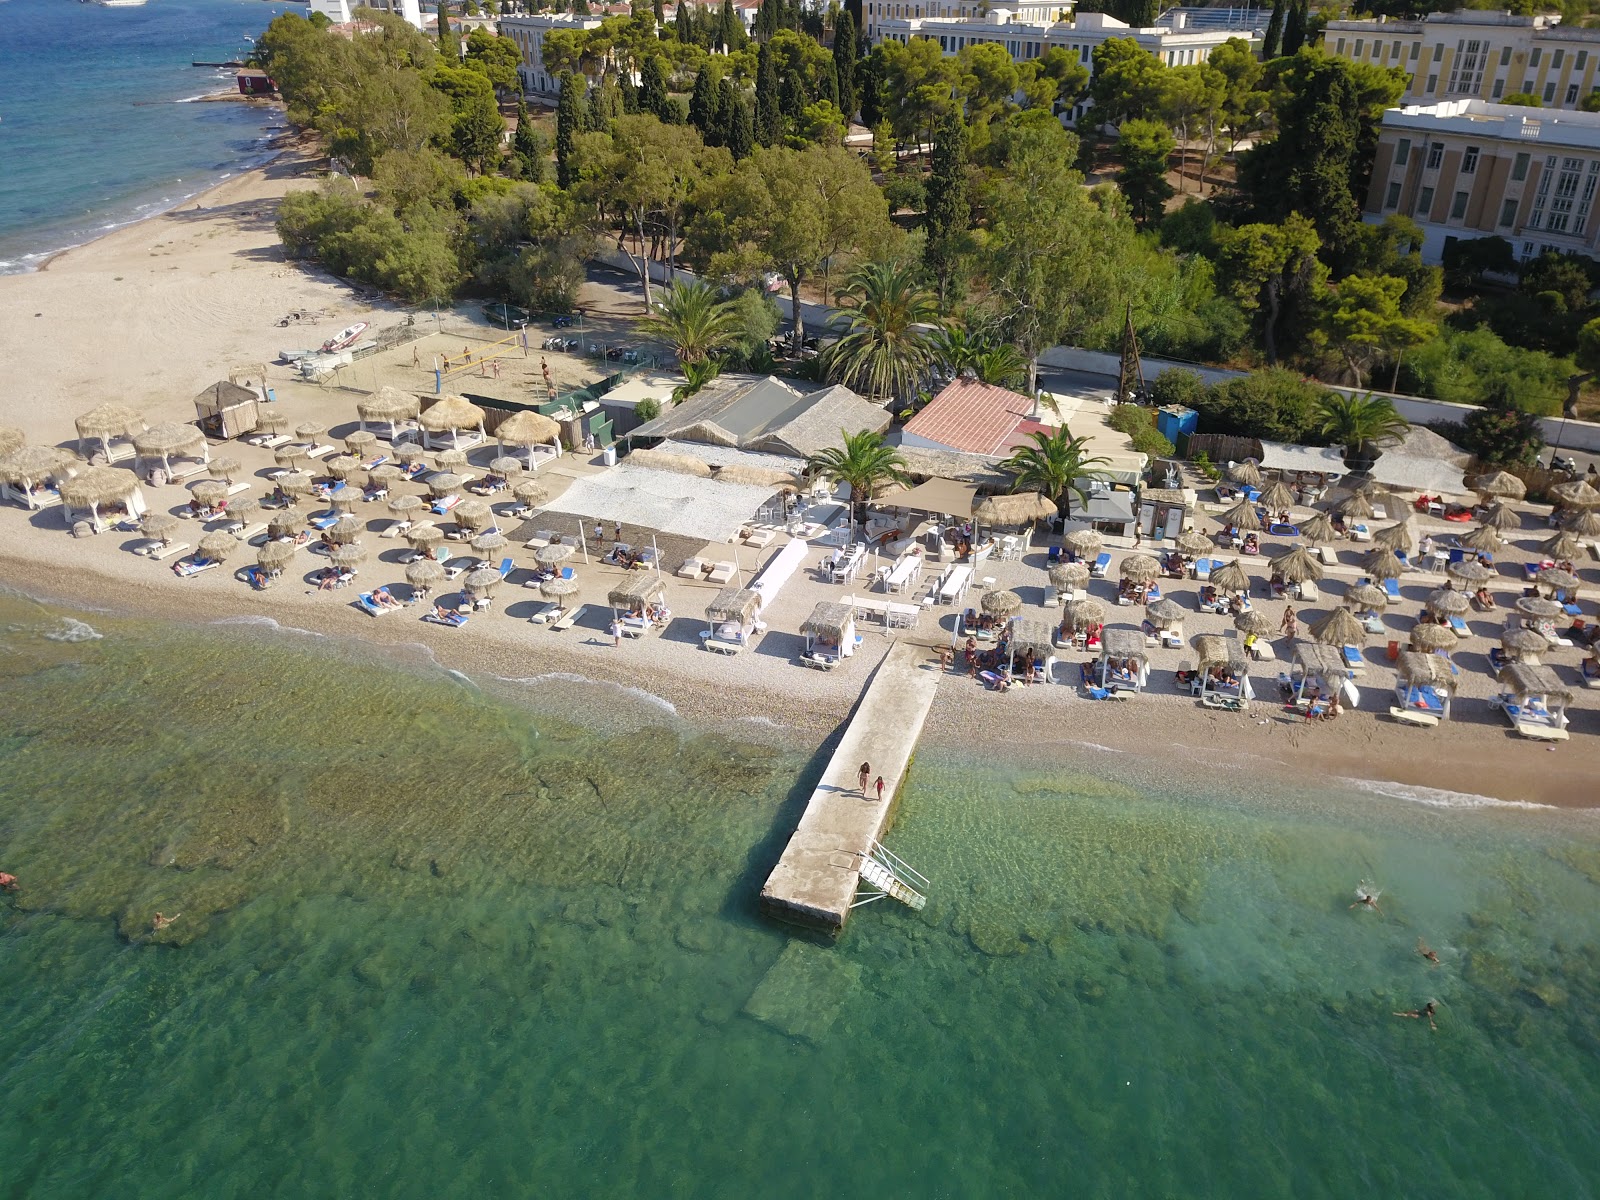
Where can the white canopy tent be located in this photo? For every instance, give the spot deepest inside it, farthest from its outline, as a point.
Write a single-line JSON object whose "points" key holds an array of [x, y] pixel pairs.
{"points": [[665, 501], [1283, 456], [1419, 474]]}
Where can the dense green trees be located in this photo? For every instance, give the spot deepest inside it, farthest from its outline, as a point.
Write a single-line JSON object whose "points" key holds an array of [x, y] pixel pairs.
{"points": [[569, 118], [1144, 148]]}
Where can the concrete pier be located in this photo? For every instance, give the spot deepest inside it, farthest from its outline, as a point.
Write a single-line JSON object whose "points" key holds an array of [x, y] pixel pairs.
{"points": [[815, 880]]}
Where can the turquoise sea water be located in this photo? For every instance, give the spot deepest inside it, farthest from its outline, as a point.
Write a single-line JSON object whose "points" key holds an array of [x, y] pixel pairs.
{"points": [[434, 943], [97, 121]]}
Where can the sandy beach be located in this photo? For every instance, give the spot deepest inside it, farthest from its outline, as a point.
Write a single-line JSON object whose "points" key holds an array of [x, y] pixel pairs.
{"points": [[150, 314]]}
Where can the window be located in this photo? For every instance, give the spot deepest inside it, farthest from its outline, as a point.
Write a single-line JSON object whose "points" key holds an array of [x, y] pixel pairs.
{"points": [[1508, 213], [1433, 83], [1392, 200], [1555, 59], [1458, 206], [1438, 51], [1338, 47], [1416, 48], [1424, 203], [1572, 93], [1581, 61], [1549, 92], [1360, 42], [1553, 202], [1469, 161], [1402, 152], [1394, 51], [1505, 56], [1435, 155], [1499, 87], [1533, 58], [1519, 168], [1466, 69]]}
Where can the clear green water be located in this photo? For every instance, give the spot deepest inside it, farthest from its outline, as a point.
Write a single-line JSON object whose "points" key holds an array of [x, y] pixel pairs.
{"points": [[435, 945]]}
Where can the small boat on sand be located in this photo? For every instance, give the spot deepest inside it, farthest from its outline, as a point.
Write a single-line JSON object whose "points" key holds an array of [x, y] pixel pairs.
{"points": [[344, 337]]}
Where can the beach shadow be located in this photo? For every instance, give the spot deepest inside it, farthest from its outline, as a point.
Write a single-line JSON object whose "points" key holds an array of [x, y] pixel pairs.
{"points": [[777, 643], [684, 630]]}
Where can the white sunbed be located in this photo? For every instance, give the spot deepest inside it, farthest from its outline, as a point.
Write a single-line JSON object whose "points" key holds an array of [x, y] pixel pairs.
{"points": [[186, 471], [568, 620], [721, 572], [245, 532], [168, 551], [319, 452], [395, 529], [692, 568], [545, 613], [195, 568], [235, 489], [271, 442]]}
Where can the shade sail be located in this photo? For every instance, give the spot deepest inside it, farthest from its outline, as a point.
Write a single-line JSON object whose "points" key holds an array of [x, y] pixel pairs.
{"points": [[707, 509], [934, 496]]}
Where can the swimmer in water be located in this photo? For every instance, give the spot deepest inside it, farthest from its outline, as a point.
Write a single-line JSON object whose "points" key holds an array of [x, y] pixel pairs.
{"points": [[1366, 897], [1427, 1010], [159, 922], [8, 882], [1427, 952]]}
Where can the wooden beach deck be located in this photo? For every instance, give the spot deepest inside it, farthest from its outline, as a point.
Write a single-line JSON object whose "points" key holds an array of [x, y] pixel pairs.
{"points": [[816, 878]]}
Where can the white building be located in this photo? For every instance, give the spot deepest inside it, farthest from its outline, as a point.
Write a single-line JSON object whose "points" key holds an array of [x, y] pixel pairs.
{"points": [[998, 12], [341, 12], [1476, 55], [528, 33], [1176, 44]]}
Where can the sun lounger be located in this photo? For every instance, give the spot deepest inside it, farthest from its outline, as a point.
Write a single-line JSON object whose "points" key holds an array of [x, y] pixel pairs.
{"points": [[1309, 590], [319, 452], [1202, 568], [377, 462], [168, 551], [456, 569], [443, 505], [185, 568], [1391, 588], [819, 662], [1227, 703], [721, 572], [1105, 693], [1102, 564], [720, 645], [545, 613], [634, 627], [323, 522], [1459, 626], [452, 620], [270, 442], [1591, 673], [368, 605], [1052, 598], [1360, 533], [259, 577], [395, 529], [761, 538], [1413, 716], [1353, 661], [567, 620], [236, 488], [1327, 554], [185, 471]]}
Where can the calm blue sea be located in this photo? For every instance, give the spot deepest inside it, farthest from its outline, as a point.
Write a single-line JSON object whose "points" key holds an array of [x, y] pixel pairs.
{"points": [[94, 128]]}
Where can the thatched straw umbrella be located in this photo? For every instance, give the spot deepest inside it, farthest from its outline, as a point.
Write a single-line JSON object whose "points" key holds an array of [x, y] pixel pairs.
{"points": [[1278, 497], [1558, 580], [451, 415], [1539, 608], [273, 555], [403, 506], [1395, 537], [444, 483], [10, 439], [210, 492], [1522, 642], [507, 467], [451, 460], [1245, 473], [345, 500], [1366, 597], [1083, 542], [168, 438], [226, 468], [1485, 538], [1502, 517], [1562, 545], [1031, 635], [408, 453], [345, 531], [97, 487], [665, 460], [1083, 614], [384, 476], [1297, 566], [1069, 577], [1165, 613], [360, 442], [1318, 529], [1192, 543], [483, 581], [424, 574], [1577, 494], [342, 466], [473, 514], [270, 420], [1502, 485], [1023, 508], [1254, 621], [558, 586], [291, 456], [1382, 564], [1430, 637], [638, 591], [422, 537], [106, 422], [490, 543], [242, 508], [767, 477], [1231, 577], [158, 526], [1338, 628], [390, 406], [1447, 602], [295, 483], [553, 554], [1242, 515], [531, 492], [1355, 506], [1141, 568], [284, 523], [1584, 522], [1001, 603], [528, 429], [310, 431], [1469, 572], [30, 465], [347, 557], [217, 546]]}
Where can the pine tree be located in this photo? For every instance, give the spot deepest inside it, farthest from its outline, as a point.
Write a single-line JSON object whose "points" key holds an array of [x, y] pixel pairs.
{"points": [[683, 22], [730, 30], [949, 213], [792, 96], [529, 146], [1294, 27], [703, 103], [653, 96], [844, 63], [449, 40], [742, 134], [1272, 43], [727, 115], [569, 116], [768, 117]]}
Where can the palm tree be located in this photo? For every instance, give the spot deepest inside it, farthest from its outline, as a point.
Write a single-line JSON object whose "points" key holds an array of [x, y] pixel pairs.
{"points": [[691, 317], [695, 376], [1052, 466], [864, 462], [1355, 422], [1002, 366], [956, 347], [886, 349]]}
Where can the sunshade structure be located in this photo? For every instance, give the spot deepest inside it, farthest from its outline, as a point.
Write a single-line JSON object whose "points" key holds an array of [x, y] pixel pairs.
{"points": [[217, 546], [638, 591], [1022, 508], [270, 420], [452, 415], [1297, 566], [1338, 628], [1031, 635], [525, 430], [665, 460], [1231, 577], [347, 557], [159, 526], [1085, 543], [1383, 564], [388, 406], [734, 604], [1118, 647], [408, 453], [553, 555], [1485, 539], [107, 423], [1315, 665], [1502, 517], [241, 508], [507, 468], [384, 476], [1140, 568], [491, 542], [939, 497], [559, 586], [295, 483], [210, 492], [482, 581], [1355, 506], [291, 455], [283, 523], [473, 514], [1562, 545], [707, 509], [1165, 613], [345, 531], [1538, 608], [1083, 614], [1192, 543], [1317, 528], [1366, 597], [425, 574], [1001, 603], [97, 488], [444, 483], [346, 499], [1245, 473], [1577, 494], [1423, 685], [1069, 577], [1254, 621], [360, 442], [1395, 537], [310, 431], [10, 439], [1584, 522], [451, 460], [226, 468], [1537, 700], [404, 506], [1430, 637], [1523, 642], [167, 439], [273, 555], [1277, 496], [1558, 580], [342, 466], [1447, 602], [1469, 571], [1241, 515], [1222, 667], [28, 470], [1501, 485], [530, 492]]}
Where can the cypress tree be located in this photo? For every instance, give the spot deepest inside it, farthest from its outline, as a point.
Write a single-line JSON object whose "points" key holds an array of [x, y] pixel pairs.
{"points": [[1294, 27], [828, 84], [730, 30], [742, 134], [653, 96], [449, 40], [869, 91], [844, 62], [529, 146], [1272, 43], [703, 103], [683, 22], [569, 114], [660, 13], [792, 96], [949, 214], [727, 115], [768, 117], [767, 23], [630, 95]]}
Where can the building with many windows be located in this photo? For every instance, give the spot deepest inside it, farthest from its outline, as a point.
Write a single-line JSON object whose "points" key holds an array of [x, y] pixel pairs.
{"points": [[528, 33], [1468, 169], [342, 12], [1482, 55]]}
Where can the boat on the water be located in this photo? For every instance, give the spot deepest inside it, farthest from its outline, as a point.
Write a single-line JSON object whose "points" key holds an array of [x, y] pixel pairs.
{"points": [[344, 337], [120, 3]]}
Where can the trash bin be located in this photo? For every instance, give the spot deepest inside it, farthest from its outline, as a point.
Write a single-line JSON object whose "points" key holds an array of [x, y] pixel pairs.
{"points": [[609, 456]]}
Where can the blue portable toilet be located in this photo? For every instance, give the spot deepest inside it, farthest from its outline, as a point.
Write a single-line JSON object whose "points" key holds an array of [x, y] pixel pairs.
{"points": [[1175, 420]]}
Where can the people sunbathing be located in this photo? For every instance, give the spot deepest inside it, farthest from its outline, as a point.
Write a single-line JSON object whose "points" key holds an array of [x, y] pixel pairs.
{"points": [[383, 598], [1252, 544]]}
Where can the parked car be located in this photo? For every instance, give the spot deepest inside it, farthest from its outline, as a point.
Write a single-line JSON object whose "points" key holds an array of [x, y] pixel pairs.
{"points": [[507, 316]]}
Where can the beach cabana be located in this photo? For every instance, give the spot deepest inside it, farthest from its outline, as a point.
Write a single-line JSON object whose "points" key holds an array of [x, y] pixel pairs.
{"points": [[99, 493], [29, 475], [1013, 511], [1423, 689], [225, 410], [1319, 670], [532, 435], [390, 407], [456, 416], [1123, 663], [1023, 637], [1501, 485], [1534, 700], [113, 426], [632, 601], [731, 620], [830, 633], [1224, 679], [167, 441]]}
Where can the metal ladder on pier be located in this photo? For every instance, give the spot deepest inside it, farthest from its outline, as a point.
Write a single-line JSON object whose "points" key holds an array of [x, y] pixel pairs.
{"points": [[886, 874]]}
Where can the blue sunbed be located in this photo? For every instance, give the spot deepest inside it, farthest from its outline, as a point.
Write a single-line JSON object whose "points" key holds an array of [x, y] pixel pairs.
{"points": [[1202, 568], [505, 567], [1102, 564], [1392, 588], [325, 522], [1352, 656], [1460, 627], [453, 620]]}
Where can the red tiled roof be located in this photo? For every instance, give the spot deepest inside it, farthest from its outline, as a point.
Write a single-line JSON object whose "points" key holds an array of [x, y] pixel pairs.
{"points": [[973, 416]]}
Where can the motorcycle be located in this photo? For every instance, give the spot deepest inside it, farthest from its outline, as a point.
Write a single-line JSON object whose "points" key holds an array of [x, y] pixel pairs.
{"points": [[1561, 462]]}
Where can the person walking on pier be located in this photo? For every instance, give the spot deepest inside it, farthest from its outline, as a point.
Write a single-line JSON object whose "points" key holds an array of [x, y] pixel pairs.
{"points": [[879, 786], [862, 776]]}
